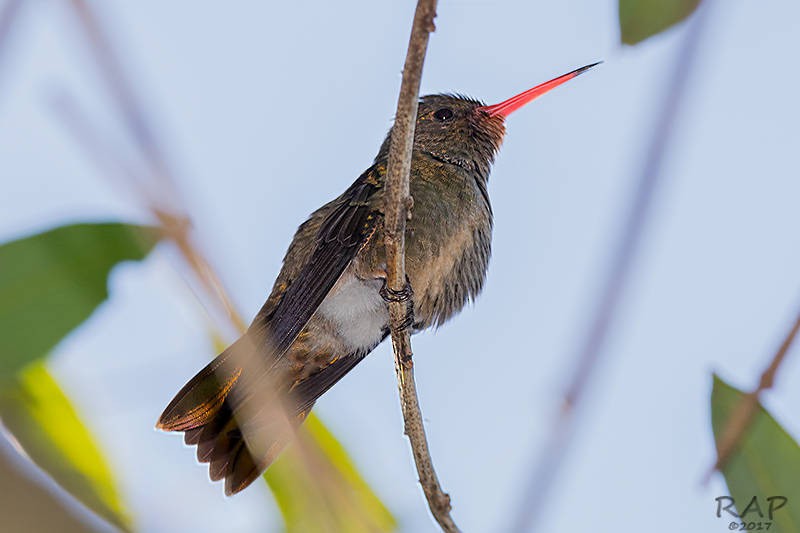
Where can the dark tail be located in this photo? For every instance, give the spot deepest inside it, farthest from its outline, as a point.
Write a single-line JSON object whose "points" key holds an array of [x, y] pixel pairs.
{"points": [[202, 410]]}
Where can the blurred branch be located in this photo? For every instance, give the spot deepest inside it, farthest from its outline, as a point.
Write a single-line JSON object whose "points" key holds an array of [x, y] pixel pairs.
{"points": [[326, 485], [592, 346], [105, 156], [9, 16], [744, 412], [397, 209], [34, 502], [176, 224], [177, 228], [123, 93]]}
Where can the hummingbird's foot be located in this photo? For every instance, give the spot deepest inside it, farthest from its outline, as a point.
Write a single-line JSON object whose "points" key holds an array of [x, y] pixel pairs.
{"points": [[403, 295], [408, 319]]}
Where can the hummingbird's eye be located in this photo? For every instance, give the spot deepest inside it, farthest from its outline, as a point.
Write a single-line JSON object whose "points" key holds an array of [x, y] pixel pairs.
{"points": [[444, 114]]}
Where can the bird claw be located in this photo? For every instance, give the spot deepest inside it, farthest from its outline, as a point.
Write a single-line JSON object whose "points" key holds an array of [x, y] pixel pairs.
{"points": [[390, 295], [403, 295], [408, 319]]}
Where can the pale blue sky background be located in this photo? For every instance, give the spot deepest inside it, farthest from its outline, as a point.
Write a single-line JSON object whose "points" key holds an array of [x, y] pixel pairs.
{"points": [[270, 109]]}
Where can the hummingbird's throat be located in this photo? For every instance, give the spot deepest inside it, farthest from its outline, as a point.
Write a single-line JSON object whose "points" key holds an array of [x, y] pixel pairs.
{"points": [[451, 160]]}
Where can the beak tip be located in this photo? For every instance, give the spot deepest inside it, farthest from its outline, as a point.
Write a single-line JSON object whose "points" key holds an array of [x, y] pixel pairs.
{"points": [[587, 67]]}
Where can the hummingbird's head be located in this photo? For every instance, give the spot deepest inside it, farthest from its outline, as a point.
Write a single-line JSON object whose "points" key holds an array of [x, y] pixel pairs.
{"points": [[456, 130], [463, 131]]}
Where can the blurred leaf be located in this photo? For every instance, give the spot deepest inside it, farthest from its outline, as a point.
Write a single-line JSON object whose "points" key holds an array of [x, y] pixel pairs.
{"points": [[357, 509], [51, 282], [43, 421], [766, 464], [640, 19]]}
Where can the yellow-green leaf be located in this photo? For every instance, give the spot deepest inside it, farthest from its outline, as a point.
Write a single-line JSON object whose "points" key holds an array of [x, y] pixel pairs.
{"points": [[43, 421], [640, 19], [764, 469], [349, 506], [51, 282]]}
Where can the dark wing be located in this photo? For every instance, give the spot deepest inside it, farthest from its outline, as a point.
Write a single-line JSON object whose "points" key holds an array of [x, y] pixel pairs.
{"points": [[304, 393], [342, 234], [346, 230], [205, 410]]}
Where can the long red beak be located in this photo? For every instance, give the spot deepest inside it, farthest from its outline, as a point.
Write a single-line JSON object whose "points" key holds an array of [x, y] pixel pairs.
{"points": [[507, 107]]}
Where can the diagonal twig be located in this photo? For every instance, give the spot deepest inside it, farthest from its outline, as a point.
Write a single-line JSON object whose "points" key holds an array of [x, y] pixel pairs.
{"points": [[742, 415], [122, 90], [320, 477], [397, 208], [593, 342], [146, 140], [327, 486]]}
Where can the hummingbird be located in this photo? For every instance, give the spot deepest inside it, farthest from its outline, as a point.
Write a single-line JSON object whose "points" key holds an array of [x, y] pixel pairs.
{"points": [[327, 309]]}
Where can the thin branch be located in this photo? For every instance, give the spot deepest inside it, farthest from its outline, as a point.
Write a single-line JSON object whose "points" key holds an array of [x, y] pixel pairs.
{"points": [[397, 209], [592, 346], [742, 416]]}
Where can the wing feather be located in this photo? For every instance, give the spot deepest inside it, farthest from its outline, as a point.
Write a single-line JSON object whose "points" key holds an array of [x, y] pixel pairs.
{"points": [[348, 227], [342, 234]]}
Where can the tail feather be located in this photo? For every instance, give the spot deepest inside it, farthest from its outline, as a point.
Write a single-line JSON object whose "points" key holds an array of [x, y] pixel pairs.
{"points": [[192, 436], [202, 410], [202, 397], [241, 471], [218, 468], [211, 435]]}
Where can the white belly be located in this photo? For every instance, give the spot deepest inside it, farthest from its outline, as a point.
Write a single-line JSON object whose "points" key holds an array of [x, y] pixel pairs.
{"points": [[357, 311]]}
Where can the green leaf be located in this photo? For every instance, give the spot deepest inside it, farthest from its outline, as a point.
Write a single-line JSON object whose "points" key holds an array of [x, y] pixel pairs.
{"points": [[640, 19], [43, 421], [766, 464], [51, 282], [350, 507]]}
